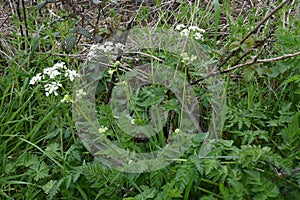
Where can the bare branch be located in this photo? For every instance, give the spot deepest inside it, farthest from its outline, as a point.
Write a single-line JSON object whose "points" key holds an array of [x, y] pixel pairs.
{"points": [[283, 57], [231, 54], [253, 62], [264, 20]]}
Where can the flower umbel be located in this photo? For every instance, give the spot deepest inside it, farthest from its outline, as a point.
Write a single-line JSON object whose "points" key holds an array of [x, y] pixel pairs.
{"points": [[185, 59], [102, 129], [52, 88], [177, 130], [80, 93], [36, 79], [71, 74], [52, 72], [193, 31], [67, 98], [52, 80]]}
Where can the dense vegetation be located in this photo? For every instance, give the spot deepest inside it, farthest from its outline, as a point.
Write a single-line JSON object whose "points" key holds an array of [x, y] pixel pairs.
{"points": [[253, 46]]}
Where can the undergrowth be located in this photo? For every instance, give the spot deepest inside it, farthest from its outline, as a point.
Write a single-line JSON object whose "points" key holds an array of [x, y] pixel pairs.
{"points": [[257, 155]]}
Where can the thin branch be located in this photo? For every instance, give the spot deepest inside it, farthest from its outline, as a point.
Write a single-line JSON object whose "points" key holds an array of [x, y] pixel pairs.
{"points": [[67, 55], [25, 18], [283, 57], [253, 62], [145, 54], [254, 30], [264, 20], [20, 18]]}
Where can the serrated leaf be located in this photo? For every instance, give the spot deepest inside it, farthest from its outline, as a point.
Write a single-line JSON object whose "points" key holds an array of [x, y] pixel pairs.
{"points": [[184, 175], [76, 173], [146, 194], [55, 189], [53, 150], [48, 187], [39, 170], [157, 178], [199, 164]]}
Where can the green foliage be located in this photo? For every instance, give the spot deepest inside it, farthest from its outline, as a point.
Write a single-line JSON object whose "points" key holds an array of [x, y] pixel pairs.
{"points": [[257, 157]]}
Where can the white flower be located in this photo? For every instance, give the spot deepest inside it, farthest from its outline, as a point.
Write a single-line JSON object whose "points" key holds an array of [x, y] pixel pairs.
{"points": [[196, 29], [102, 129], [60, 65], [133, 121], [177, 130], [91, 55], [52, 88], [185, 32], [101, 48], [67, 98], [94, 47], [198, 36], [71, 74], [185, 59], [80, 93], [36, 78], [201, 30], [193, 58], [108, 49], [109, 43], [179, 27], [52, 72], [120, 46]]}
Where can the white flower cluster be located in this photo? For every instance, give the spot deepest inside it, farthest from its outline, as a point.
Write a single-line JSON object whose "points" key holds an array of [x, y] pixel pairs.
{"points": [[52, 88], [194, 31], [52, 85], [68, 98], [80, 93], [186, 59], [102, 129], [107, 47]]}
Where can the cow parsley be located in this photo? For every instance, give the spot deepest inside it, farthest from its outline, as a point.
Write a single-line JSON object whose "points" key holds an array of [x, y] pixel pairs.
{"points": [[51, 79], [192, 31]]}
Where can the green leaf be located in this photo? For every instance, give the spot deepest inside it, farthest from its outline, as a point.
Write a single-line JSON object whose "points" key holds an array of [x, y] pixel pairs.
{"points": [[146, 194], [291, 134], [48, 187], [217, 20], [69, 43], [53, 150], [52, 187], [39, 170], [35, 41], [81, 31], [157, 178]]}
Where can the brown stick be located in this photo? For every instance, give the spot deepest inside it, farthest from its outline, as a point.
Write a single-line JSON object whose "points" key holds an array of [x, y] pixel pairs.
{"points": [[283, 57], [214, 73], [251, 32], [264, 20]]}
